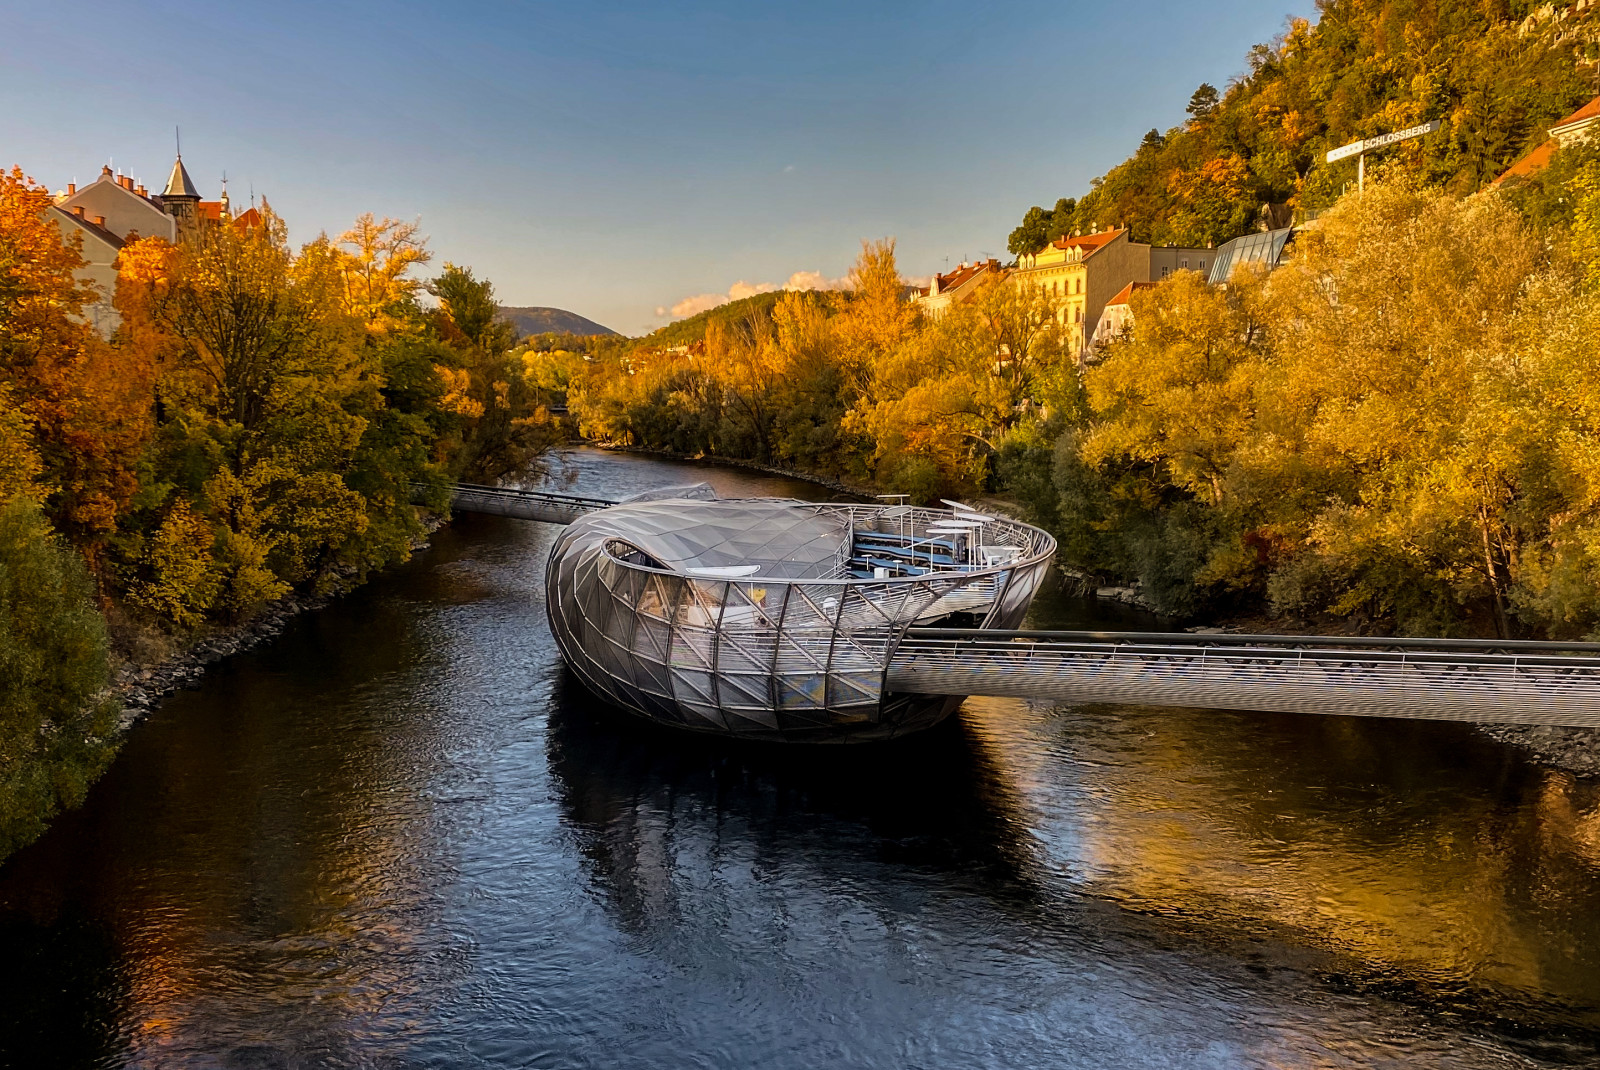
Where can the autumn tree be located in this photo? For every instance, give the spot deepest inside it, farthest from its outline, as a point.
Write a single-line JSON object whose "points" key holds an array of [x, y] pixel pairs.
{"points": [[502, 430], [379, 258], [87, 404], [55, 718]]}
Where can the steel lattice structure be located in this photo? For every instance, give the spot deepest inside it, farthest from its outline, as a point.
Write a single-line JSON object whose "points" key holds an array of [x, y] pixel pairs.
{"points": [[775, 619]]}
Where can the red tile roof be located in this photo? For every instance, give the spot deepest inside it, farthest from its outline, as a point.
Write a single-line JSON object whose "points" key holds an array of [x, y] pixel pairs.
{"points": [[1531, 164], [1089, 243], [1539, 158], [1127, 292], [1588, 111]]}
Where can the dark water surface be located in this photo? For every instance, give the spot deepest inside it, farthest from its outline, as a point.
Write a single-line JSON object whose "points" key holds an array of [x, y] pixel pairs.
{"points": [[402, 836]]}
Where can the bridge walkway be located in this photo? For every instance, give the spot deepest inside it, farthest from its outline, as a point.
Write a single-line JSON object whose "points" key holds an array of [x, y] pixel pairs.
{"points": [[1474, 681], [1429, 679], [541, 505]]}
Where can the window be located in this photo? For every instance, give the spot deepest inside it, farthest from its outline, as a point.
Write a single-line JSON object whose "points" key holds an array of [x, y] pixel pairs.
{"points": [[1165, 272], [1186, 264]]}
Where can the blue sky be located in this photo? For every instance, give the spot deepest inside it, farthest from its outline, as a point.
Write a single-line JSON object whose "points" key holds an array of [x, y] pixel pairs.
{"points": [[617, 158]]}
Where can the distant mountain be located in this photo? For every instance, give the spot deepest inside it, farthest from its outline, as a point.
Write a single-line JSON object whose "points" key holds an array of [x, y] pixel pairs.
{"points": [[550, 321]]}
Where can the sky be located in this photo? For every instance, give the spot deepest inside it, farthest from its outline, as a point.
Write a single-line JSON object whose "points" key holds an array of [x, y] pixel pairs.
{"points": [[622, 159]]}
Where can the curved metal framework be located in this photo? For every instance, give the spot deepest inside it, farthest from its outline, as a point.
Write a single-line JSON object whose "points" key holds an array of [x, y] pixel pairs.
{"points": [[775, 619]]}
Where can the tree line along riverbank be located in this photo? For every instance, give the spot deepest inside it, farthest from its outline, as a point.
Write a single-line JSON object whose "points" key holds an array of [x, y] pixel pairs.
{"points": [[249, 440], [1393, 432]]}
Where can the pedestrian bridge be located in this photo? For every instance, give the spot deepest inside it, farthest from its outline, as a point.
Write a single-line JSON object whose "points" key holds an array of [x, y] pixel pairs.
{"points": [[1427, 679], [1480, 681], [521, 504]]}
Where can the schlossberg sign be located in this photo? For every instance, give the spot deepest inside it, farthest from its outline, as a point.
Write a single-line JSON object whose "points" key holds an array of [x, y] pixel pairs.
{"points": [[1356, 147]]}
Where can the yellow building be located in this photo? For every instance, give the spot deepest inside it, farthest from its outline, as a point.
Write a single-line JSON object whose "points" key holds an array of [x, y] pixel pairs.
{"points": [[1083, 272]]}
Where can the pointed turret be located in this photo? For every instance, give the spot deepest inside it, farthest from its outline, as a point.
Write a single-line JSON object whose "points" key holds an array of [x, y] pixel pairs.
{"points": [[180, 199]]}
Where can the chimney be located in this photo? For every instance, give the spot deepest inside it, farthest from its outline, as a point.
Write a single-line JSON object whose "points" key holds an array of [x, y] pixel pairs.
{"points": [[127, 183], [72, 187], [99, 220], [105, 170], [77, 210], [140, 191]]}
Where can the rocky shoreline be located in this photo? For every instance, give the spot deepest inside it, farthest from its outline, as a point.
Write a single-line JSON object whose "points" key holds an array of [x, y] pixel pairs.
{"points": [[140, 688]]}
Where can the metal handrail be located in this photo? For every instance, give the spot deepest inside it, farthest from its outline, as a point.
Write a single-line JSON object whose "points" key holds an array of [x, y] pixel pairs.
{"points": [[1354, 643], [577, 500]]}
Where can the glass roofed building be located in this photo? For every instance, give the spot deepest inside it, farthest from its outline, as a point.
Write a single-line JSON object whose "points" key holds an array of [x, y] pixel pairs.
{"points": [[775, 619], [1263, 247]]}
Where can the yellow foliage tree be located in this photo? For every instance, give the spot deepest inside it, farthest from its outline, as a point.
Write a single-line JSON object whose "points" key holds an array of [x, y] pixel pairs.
{"points": [[379, 255]]}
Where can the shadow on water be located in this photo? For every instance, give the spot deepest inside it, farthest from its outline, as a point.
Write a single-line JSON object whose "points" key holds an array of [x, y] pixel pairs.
{"points": [[933, 803]]}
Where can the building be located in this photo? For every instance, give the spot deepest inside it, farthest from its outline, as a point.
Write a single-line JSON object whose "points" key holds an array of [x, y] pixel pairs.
{"points": [[955, 286], [1117, 316], [1216, 265], [1264, 247], [769, 619], [113, 210], [99, 246], [1575, 129], [1084, 272]]}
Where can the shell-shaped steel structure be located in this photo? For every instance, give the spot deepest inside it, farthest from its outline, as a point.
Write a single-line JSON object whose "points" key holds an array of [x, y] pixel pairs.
{"points": [[775, 619]]}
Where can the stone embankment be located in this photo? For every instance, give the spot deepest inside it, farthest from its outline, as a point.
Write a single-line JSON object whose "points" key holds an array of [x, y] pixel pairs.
{"points": [[1572, 750], [141, 687]]}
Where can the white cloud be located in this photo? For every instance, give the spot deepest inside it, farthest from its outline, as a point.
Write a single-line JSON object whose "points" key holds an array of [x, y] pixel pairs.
{"points": [[815, 280], [800, 280]]}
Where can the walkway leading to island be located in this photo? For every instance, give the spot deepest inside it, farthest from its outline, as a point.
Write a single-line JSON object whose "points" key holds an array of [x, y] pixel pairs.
{"points": [[1430, 679], [543, 506], [1475, 681]]}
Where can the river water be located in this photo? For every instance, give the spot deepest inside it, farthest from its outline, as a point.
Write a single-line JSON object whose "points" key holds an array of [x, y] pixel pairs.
{"points": [[402, 836]]}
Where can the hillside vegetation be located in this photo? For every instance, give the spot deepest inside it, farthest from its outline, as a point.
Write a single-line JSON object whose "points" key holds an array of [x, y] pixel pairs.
{"points": [[1395, 429], [1495, 72], [693, 329]]}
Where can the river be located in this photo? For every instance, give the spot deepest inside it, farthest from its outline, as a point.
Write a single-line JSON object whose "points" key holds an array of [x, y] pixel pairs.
{"points": [[401, 835]]}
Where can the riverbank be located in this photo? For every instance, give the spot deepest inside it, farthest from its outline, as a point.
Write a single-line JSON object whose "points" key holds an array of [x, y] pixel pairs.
{"points": [[146, 674]]}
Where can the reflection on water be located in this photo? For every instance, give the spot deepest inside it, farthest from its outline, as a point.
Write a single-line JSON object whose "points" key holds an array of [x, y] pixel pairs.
{"points": [[402, 835]]}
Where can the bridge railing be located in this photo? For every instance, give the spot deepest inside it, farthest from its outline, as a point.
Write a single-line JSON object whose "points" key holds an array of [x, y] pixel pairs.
{"points": [[522, 504], [1377, 649], [1548, 683]]}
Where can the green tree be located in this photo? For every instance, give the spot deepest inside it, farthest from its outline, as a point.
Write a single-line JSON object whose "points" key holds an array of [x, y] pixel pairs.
{"points": [[55, 718]]}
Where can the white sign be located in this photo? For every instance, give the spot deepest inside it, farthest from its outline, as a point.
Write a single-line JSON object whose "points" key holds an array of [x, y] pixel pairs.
{"points": [[1381, 140]]}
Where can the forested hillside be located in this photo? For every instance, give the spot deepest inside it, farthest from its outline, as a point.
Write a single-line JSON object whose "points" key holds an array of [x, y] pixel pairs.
{"points": [[693, 329], [1495, 72], [1396, 429]]}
